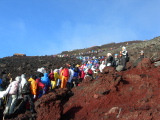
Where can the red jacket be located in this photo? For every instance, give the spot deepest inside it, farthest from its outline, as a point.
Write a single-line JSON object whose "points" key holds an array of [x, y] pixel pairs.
{"points": [[39, 83]]}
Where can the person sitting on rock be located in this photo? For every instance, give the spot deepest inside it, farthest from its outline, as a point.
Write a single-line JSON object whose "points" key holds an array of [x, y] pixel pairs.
{"points": [[109, 59], [101, 67], [116, 61]]}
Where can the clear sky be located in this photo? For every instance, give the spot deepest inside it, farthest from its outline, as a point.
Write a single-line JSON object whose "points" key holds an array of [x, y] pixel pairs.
{"points": [[46, 27]]}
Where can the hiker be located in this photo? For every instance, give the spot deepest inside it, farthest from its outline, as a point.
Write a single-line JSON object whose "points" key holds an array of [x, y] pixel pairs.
{"points": [[46, 81], [102, 66], [10, 77], [40, 87], [12, 97], [51, 77], [56, 76], [74, 82], [29, 93], [83, 67], [124, 55], [33, 86], [71, 74], [141, 55], [76, 71], [94, 72], [64, 77], [88, 72], [140, 58], [23, 80], [109, 59], [82, 75], [116, 61], [60, 76]]}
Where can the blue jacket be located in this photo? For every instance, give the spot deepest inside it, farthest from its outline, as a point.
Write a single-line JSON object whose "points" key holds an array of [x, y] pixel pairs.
{"points": [[76, 73], [45, 79]]}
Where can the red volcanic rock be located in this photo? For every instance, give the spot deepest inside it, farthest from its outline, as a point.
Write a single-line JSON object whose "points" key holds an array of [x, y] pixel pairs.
{"points": [[95, 96], [144, 64], [135, 94], [108, 69], [50, 106]]}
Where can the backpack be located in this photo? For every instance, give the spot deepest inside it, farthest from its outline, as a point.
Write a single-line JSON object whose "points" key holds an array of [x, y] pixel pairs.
{"points": [[90, 72], [66, 72], [127, 58], [26, 88], [76, 69]]}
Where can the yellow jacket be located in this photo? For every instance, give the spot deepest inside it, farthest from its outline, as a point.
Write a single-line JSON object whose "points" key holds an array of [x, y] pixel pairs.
{"points": [[33, 86], [56, 75]]}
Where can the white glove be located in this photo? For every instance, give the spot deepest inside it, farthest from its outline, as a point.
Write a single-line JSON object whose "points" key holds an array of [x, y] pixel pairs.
{"points": [[34, 96]]}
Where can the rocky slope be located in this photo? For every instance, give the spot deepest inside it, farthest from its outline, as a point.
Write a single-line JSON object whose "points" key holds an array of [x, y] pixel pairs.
{"points": [[127, 95]]}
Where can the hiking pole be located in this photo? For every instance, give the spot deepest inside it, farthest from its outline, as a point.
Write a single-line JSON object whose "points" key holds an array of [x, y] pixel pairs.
{"points": [[119, 112]]}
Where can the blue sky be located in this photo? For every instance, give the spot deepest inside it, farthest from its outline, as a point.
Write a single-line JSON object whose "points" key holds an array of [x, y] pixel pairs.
{"points": [[46, 27]]}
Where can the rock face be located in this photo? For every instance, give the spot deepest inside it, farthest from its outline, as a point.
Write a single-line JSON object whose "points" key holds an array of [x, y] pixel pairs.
{"points": [[126, 95], [144, 64], [50, 106]]}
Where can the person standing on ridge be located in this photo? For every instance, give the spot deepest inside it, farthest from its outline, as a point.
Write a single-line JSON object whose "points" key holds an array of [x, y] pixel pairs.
{"points": [[124, 54]]}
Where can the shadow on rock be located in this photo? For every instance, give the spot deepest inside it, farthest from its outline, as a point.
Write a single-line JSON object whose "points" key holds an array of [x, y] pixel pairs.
{"points": [[70, 114]]}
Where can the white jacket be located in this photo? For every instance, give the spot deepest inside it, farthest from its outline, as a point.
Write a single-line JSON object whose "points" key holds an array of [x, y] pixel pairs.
{"points": [[71, 72], [101, 67]]}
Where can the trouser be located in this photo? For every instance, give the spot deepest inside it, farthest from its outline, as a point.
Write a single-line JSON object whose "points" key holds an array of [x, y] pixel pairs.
{"points": [[58, 82], [53, 83], [46, 89], [29, 97], [9, 109], [123, 61], [64, 81]]}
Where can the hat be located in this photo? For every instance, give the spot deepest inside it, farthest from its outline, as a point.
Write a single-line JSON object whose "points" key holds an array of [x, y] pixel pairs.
{"points": [[77, 65], [18, 78], [142, 51], [124, 48]]}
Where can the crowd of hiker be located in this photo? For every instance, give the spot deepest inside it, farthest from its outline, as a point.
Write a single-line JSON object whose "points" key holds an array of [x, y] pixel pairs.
{"points": [[17, 93]]}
